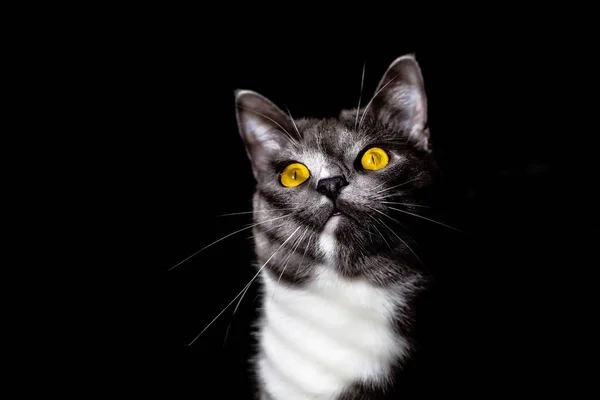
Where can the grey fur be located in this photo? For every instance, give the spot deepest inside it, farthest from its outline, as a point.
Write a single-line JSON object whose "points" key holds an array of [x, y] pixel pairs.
{"points": [[396, 120]]}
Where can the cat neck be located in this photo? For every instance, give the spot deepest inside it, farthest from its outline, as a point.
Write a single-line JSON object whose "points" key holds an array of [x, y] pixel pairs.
{"points": [[322, 337]]}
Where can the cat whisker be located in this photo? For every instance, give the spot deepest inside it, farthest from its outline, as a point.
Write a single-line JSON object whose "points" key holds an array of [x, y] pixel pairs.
{"points": [[399, 238], [233, 315], [370, 234], [287, 260], [225, 237], [241, 298], [304, 255], [425, 218], [391, 196], [360, 245], [404, 204], [238, 213], [397, 186], [244, 289], [266, 230], [381, 184], [294, 123], [243, 294], [384, 214], [251, 212], [378, 231], [371, 101], [362, 81]]}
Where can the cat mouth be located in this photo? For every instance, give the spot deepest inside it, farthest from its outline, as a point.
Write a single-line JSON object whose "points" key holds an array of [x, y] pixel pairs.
{"points": [[338, 213]]}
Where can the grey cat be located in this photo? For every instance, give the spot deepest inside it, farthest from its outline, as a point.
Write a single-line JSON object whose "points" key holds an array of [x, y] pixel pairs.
{"points": [[338, 273]]}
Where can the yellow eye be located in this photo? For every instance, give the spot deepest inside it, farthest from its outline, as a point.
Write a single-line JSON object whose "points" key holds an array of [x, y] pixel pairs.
{"points": [[294, 174], [374, 159]]}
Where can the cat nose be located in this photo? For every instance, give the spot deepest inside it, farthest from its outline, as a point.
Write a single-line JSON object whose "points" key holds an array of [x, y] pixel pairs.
{"points": [[331, 187]]}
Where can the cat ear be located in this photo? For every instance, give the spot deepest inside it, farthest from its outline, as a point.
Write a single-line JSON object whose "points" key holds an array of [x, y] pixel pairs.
{"points": [[264, 128], [400, 101]]}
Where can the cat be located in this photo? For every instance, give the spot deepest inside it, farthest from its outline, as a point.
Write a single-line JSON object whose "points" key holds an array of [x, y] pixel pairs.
{"points": [[334, 206]]}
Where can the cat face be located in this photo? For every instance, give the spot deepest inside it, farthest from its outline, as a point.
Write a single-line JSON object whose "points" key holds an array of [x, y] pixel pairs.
{"points": [[330, 189]]}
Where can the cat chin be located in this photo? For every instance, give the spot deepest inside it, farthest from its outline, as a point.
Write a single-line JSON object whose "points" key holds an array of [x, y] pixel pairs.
{"points": [[332, 224]]}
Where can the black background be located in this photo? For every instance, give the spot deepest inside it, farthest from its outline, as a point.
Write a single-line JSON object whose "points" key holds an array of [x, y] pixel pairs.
{"points": [[503, 285]]}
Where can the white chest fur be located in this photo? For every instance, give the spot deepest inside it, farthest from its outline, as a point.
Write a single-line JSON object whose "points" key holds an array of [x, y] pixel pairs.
{"points": [[317, 340]]}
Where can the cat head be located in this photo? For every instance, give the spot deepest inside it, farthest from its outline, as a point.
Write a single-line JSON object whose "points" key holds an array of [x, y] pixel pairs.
{"points": [[340, 181]]}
